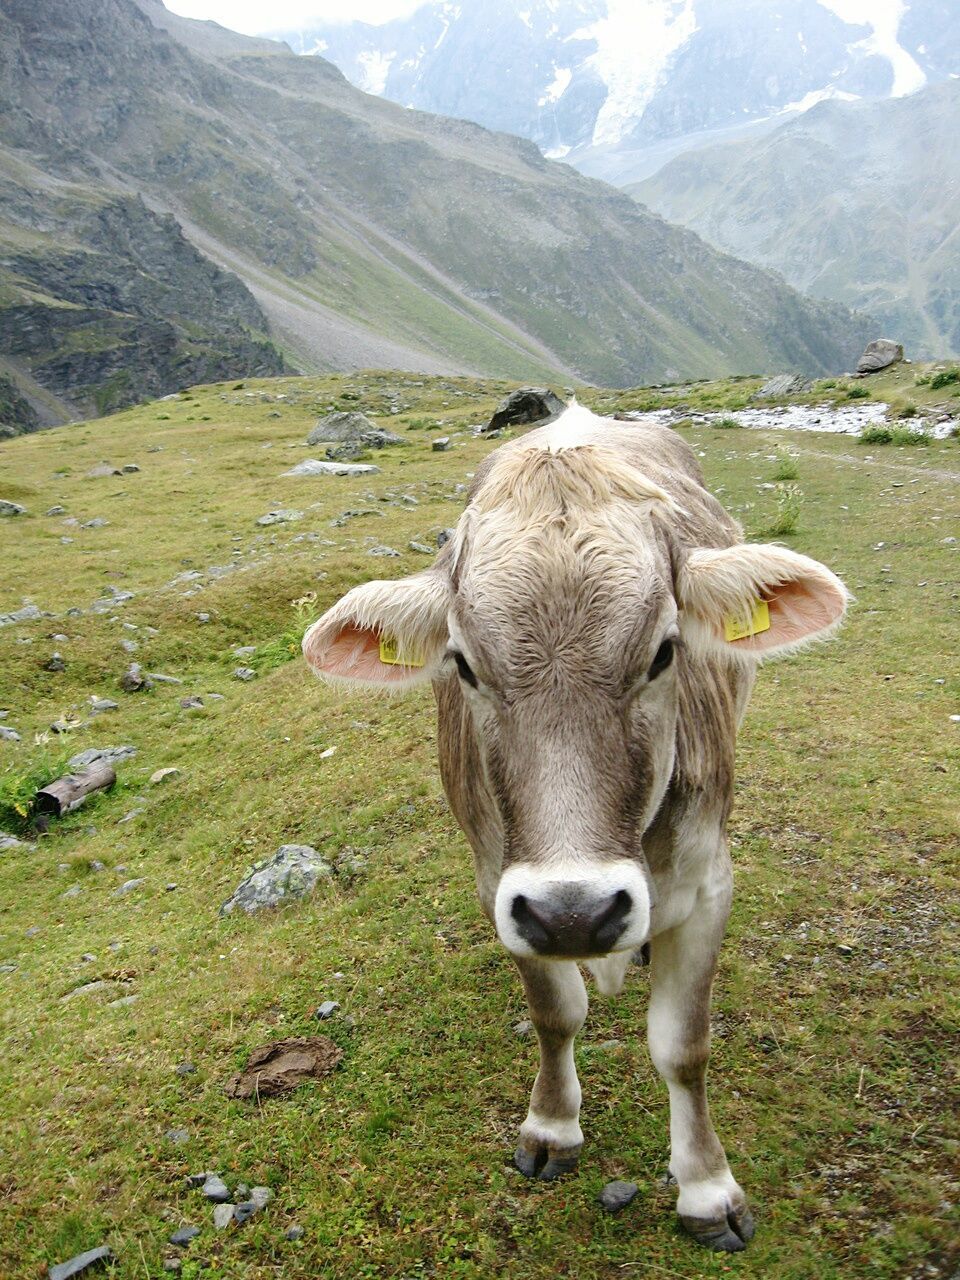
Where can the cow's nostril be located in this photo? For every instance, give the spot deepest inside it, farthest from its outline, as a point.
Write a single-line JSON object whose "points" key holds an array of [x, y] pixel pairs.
{"points": [[611, 922], [529, 924]]}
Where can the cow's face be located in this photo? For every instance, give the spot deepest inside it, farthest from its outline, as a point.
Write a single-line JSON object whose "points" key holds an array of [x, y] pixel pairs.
{"points": [[565, 614]]}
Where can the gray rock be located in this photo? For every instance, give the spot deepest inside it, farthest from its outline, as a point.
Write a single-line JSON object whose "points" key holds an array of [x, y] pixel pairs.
{"points": [[523, 1028], [784, 384], [191, 704], [223, 1216], [172, 1265], [421, 548], [261, 1196], [73, 892], [879, 354], [340, 428], [87, 989], [80, 1263], [99, 705], [109, 754], [280, 516], [186, 1069], [529, 404], [160, 678], [315, 467], [129, 468], [105, 469], [327, 1010], [9, 843], [177, 1136], [183, 1235], [97, 522], [292, 872], [441, 444], [56, 511], [26, 614], [244, 673], [11, 508], [133, 679], [617, 1195], [243, 1212], [293, 1233], [56, 663], [215, 1189], [382, 550], [8, 735], [128, 886], [194, 1180], [122, 1001], [244, 650]]}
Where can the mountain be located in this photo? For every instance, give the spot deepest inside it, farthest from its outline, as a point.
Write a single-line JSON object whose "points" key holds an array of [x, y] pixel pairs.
{"points": [[858, 202], [160, 172], [620, 86]]}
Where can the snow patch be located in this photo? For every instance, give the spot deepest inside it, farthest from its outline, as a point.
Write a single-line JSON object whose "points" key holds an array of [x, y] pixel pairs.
{"points": [[818, 95], [374, 67], [634, 45], [558, 86], [524, 17], [557, 153], [883, 17]]}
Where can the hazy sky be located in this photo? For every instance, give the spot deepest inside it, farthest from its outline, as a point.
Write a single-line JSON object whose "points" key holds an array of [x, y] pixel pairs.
{"points": [[254, 16]]}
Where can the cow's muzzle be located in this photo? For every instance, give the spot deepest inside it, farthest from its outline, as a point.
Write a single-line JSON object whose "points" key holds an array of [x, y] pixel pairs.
{"points": [[578, 918]]}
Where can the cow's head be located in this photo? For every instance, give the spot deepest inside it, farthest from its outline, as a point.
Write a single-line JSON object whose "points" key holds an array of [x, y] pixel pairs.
{"points": [[568, 610]]}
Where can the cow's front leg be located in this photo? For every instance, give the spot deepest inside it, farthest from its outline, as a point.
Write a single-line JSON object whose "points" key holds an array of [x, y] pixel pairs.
{"points": [[712, 1207], [550, 1137]]}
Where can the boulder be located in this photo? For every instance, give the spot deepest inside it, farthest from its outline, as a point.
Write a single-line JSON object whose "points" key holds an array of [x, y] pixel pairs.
{"points": [[8, 508], [292, 872], [879, 355], [340, 428], [314, 467], [529, 404], [784, 384]]}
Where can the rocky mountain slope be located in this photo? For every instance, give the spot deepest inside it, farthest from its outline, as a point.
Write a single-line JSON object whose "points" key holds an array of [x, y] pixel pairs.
{"points": [[619, 87], [367, 234], [858, 202]]}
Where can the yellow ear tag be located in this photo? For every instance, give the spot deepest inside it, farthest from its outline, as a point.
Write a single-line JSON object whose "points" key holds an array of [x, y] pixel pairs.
{"points": [[390, 654], [741, 628]]}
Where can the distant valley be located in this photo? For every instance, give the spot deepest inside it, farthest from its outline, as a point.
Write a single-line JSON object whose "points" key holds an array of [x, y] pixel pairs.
{"points": [[179, 203]]}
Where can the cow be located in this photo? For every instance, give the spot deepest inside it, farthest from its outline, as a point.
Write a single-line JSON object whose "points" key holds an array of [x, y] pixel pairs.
{"points": [[592, 629]]}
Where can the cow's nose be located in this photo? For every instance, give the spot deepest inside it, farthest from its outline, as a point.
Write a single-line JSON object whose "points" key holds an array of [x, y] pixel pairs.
{"points": [[572, 926]]}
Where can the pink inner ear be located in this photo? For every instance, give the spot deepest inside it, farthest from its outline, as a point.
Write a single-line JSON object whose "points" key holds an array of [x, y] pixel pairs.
{"points": [[798, 610], [355, 655]]}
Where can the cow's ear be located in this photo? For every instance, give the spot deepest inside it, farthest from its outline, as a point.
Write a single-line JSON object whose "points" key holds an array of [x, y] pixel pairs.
{"points": [[757, 601], [383, 634]]}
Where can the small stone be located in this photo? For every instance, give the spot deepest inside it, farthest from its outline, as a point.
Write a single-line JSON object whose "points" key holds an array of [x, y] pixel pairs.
{"points": [[11, 508], [122, 1002], [171, 1264], [261, 1196], [186, 1069], [280, 517], [844, 949], [128, 886], [133, 678], [421, 548], [441, 444], [105, 469], [99, 705], [383, 551], [293, 872], [81, 1262], [293, 1233], [129, 468], [617, 1195], [215, 1189], [170, 888], [97, 865], [223, 1215], [110, 755], [314, 467], [56, 663], [244, 673], [56, 511], [177, 1136], [192, 703], [97, 522], [523, 1028], [73, 892], [162, 774], [8, 842], [203, 617], [194, 1180], [8, 735], [243, 1212], [327, 1010]]}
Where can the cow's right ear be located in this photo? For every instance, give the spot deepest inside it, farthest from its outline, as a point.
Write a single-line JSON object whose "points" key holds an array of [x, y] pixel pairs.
{"points": [[383, 634]]}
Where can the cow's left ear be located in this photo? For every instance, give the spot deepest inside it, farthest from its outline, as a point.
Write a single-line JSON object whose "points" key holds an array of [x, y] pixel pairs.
{"points": [[756, 600], [383, 634]]}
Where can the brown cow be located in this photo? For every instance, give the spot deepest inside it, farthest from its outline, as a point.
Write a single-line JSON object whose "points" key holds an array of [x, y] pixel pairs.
{"points": [[580, 629]]}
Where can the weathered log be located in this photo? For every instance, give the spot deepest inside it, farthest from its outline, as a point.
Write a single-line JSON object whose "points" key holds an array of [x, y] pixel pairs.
{"points": [[70, 791]]}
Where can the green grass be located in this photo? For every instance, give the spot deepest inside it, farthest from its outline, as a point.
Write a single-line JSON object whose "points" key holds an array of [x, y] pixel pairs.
{"points": [[833, 1076], [893, 435]]}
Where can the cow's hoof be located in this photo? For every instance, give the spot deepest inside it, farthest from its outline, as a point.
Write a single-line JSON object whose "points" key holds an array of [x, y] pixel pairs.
{"points": [[729, 1234], [538, 1162]]}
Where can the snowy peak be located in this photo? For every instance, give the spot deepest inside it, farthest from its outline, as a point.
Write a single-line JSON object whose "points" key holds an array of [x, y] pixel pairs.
{"points": [[590, 79]]}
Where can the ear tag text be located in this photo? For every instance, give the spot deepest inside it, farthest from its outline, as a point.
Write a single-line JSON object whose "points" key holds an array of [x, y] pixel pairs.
{"points": [[391, 656], [741, 628]]}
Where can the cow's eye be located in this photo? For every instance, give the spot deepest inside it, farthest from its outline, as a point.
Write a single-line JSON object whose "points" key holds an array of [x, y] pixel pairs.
{"points": [[464, 669], [661, 660]]}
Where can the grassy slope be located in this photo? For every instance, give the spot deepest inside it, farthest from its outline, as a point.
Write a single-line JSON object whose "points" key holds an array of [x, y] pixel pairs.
{"points": [[831, 1072]]}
